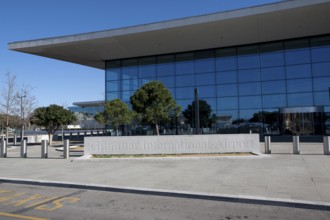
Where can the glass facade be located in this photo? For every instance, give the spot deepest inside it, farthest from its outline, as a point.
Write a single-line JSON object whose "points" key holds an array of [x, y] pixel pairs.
{"points": [[244, 85]]}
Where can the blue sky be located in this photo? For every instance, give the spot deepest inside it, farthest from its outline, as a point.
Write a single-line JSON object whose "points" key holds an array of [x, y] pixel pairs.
{"points": [[62, 83]]}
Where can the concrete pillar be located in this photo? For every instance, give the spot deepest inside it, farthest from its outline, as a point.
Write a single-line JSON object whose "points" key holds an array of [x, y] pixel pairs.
{"points": [[296, 145], [267, 145], [326, 145], [3, 150], [15, 140], [66, 149], [44, 149], [23, 149]]}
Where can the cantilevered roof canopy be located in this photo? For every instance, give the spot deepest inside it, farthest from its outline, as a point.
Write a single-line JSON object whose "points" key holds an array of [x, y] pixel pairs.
{"points": [[284, 20]]}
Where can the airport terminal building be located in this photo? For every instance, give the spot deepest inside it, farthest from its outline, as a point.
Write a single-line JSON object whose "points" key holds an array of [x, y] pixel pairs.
{"points": [[265, 67]]}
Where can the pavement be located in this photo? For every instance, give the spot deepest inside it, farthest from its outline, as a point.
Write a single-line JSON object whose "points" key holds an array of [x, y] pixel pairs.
{"points": [[279, 178]]}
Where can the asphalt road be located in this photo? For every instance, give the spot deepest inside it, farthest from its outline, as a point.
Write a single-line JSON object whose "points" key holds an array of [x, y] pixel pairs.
{"points": [[40, 202]]}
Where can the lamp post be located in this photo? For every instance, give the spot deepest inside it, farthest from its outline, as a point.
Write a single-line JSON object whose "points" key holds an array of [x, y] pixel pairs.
{"points": [[22, 116]]}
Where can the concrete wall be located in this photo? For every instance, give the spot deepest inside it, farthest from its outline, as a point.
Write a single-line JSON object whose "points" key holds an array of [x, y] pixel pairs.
{"points": [[172, 144]]}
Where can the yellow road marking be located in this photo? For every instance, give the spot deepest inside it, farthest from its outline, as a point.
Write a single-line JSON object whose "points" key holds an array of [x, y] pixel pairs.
{"points": [[21, 216]]}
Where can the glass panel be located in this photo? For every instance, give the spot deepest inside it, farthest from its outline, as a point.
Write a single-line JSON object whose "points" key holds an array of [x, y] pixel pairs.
{"points": [[296, 44], [130, 84], [227, 116], [226, 52], [321, 98], [113, 95], [185, 93], [205, 54], [144, 81], [321, 69], [227, 103], [321, 54], [129, 63], [249, 115], [204, 66], [248, 61], [205, 79], [249, 75], [212, 103], [250, 102], [184, 103], [300, 99], [167, 81], [297, 57], [272, 59], [273, 87], [184, 68], [184, 57], [247, 50], [298, 71], [112, 74], [224, 64], [172, 91], [206, 92], [227, 90], [274, 101], [321, 84], [165, 66], [273, 73], [226, 77], [113, 64], [249, 89], [299, 85], [320, 41], [147, 67], [186, 80], [271, 47], [127, 95], [129, 72], [113, 86]]}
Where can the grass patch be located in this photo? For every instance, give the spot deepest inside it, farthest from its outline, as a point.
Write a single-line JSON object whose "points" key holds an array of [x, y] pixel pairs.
{"points": [[172, 155]]}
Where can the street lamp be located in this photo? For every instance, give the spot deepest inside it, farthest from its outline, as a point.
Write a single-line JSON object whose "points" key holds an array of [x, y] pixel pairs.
{"points": [[22, 115]]}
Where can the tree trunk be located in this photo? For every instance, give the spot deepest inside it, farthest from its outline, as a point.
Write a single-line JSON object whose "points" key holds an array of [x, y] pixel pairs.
{"points": [[50, 137], [157, 129]]}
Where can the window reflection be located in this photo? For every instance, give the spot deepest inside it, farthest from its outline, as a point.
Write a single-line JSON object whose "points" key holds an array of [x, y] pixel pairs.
{"points": [[274, 101], [185, 80], [227, 103], [249, 102], [226, 77], [300, 99], [273, 87], [185, 93], [273, 73], [237, 81], [227, 90], [321, 84], [298, 71], [299, 85], [249, 89], [249, 75], [205, 79], [297, 57]]}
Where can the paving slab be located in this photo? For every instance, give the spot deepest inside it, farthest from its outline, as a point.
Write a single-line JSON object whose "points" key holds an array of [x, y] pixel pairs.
{"points": [[304, 177]]}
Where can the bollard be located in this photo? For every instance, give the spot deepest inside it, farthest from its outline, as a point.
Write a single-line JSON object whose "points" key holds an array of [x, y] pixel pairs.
{"points": [[44, 149], [267, 145], [326, 145], [23, 149], [3, 152], [15, 139], [66, 149], [296, 146]]}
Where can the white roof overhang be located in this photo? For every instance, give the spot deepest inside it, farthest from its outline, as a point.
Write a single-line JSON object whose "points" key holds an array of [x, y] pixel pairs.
{"points": [[283, 20]]}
